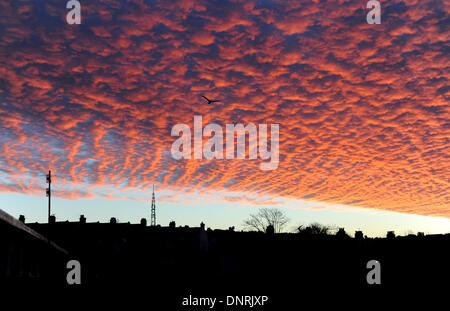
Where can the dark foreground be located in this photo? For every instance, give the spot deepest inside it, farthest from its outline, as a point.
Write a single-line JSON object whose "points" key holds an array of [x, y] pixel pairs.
{"points": [[166, 268]]}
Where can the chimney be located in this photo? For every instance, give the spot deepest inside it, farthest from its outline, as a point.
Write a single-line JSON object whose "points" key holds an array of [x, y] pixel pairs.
{"points": [[341, 233], [172, 224], [143, 222], [52, 219], [202, 226], [390, 235], [270, 229], [359, 235], [82, 219], [22, 218], [113, 220]]}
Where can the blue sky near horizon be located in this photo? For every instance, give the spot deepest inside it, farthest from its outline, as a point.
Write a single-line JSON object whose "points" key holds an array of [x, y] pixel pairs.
{"points": [[218, 215]]}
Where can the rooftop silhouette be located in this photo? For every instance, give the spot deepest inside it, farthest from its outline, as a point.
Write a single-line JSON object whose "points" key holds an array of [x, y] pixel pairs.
{"points": [[125, 253]]}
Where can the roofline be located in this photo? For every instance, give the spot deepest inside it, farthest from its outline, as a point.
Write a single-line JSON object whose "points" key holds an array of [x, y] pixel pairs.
{"points": [[4, 216]]}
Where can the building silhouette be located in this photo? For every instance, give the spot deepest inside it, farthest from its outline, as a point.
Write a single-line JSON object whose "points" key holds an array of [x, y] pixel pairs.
{"points": [[168, 260]]}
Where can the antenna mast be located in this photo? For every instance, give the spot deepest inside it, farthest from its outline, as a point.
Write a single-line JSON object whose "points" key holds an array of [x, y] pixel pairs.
{"points": [[153, 213], [48, 192]]}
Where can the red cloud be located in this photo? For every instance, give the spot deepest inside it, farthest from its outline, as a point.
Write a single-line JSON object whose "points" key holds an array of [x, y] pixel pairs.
{"points": [[363, 109]]}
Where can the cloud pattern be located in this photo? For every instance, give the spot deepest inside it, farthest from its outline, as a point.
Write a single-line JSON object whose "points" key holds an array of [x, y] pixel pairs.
{"points": [[363, 109]]}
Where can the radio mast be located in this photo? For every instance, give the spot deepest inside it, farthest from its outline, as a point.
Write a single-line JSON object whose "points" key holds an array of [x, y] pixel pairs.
{"points": [[153, 213]]}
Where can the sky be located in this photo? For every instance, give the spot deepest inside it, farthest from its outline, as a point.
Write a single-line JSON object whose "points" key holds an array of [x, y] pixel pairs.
{"points": [[362, 109]]}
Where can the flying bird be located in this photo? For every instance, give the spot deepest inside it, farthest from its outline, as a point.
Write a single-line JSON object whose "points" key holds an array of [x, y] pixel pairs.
{"points": [[210, 101]]}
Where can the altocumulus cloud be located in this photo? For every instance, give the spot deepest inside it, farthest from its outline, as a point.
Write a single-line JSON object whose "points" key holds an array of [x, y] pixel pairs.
{"points": [[363, 109]]}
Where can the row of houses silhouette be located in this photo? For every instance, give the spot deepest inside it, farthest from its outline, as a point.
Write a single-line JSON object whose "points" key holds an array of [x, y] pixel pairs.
{"points": [[269, 230], [176, 258]]}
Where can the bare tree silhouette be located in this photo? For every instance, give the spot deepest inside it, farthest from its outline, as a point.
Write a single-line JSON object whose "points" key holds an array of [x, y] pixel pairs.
{"points": [[267, 217], [314, 229]]}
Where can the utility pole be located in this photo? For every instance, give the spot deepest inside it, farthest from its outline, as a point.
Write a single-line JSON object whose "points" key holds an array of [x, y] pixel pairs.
{"points": [[153, 211], [49, 192]]}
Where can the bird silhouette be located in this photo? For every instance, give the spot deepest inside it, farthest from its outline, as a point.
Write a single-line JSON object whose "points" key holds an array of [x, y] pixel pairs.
{"points": [[210, 101]]}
